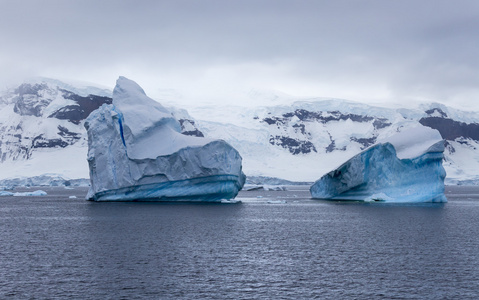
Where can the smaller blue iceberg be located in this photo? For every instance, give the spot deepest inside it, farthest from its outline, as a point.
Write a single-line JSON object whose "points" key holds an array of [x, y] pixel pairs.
{"points": [[405, 168]]}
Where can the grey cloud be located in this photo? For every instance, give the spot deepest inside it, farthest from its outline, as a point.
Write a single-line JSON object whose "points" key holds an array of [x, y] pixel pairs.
{"points": [[422, 47]]}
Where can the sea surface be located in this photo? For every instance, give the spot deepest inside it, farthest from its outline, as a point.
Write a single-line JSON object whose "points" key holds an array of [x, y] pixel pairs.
{"points": [[273, 245]]}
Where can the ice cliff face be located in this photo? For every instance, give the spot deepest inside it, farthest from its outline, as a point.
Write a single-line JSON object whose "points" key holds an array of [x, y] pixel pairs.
{"points": [[136, 152], [406, 167]]}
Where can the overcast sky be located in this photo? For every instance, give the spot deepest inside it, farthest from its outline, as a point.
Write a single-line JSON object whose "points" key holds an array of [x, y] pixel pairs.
{"points": [[382, 51]]}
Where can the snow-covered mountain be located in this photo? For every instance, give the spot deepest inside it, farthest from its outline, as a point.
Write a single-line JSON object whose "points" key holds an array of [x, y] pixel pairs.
{"points": [[307, 139], [41, 131], [41, 128]]}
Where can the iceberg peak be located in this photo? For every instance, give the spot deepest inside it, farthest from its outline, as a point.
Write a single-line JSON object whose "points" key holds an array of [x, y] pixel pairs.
{"points": [[140, 111], [126, 87]]}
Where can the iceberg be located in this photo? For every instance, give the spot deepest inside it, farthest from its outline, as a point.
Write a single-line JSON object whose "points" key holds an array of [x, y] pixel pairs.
{"points": [[136, 152], [24, 194], [404, 168], [35, 193]]}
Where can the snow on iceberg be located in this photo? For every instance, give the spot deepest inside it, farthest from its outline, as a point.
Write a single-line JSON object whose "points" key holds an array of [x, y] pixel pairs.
{"points": [[136, 152], [25, 194], [406, 167]]}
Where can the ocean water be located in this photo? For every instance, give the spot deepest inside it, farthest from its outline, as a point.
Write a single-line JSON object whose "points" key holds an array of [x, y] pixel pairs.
{"points": [[274, 245]]}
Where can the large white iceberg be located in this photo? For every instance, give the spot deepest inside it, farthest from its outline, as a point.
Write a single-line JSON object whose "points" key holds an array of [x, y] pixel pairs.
{"points": [[404, 168], [136, 152]]}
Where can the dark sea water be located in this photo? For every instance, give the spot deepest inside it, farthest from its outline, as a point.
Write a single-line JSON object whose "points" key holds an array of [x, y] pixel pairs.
{"points": [[274, 245]]}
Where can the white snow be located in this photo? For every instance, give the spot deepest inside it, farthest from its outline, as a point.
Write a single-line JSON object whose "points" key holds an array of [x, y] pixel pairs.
{"points": [[413, 142], [68, 162], [147, 124], [463, 163]]}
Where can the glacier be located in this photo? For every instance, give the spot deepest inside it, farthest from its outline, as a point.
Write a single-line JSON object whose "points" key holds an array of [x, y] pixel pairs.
{"points": [[403, 168], [136, 152]]}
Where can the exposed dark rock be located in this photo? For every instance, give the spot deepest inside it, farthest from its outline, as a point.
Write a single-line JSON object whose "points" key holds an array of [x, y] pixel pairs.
{"points": [[41, 142], [31, 102], [365, 142], [66, 133], [466, 142], [68, 136], [195, 132], [80, 111], [274, 120], [73, 113], [293, 145], [336, 116], [301, 128], [438, 110], [331, 146], [381, 123], [449, 147], [305, 115], [450, 129], [298, 146]]}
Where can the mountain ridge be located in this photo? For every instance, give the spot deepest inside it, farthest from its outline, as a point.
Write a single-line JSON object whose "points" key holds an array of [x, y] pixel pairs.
{"points": [[41, 131]]}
